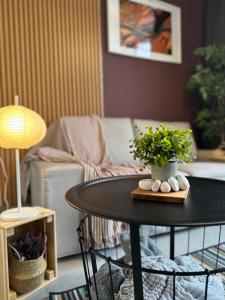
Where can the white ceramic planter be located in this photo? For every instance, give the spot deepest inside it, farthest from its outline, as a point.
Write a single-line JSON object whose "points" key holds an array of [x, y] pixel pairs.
{"points": [[165, 172]]}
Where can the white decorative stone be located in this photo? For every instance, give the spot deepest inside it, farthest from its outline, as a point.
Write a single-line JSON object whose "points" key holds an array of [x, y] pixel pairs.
{"points": [[183, 182], [165, 187], [156, 185], [145, 184], [174, 184]]}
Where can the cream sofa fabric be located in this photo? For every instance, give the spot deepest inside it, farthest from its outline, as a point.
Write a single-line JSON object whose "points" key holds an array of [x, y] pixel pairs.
{"points": [[204, 169], [50, 181], [118, 132]]}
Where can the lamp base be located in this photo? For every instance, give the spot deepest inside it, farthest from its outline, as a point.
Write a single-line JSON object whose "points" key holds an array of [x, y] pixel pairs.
{"points": [[14, 214]]}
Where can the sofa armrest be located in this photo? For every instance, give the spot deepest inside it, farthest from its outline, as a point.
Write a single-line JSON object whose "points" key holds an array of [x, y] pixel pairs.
{"points": [[49, 183], [47, 175]]}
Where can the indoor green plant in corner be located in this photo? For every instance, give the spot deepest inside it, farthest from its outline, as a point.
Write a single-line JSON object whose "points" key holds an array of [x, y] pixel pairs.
{"points": [[27, 264], [162, 148], [209, 81]]}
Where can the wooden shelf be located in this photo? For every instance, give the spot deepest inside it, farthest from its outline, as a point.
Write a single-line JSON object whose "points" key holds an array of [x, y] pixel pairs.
{"points": [[43, 222], [25, 296]]}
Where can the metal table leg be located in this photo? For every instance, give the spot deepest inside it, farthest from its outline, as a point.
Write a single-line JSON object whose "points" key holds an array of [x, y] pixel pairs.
{"points": [[93, 258], [136, 261], [172, 241]]}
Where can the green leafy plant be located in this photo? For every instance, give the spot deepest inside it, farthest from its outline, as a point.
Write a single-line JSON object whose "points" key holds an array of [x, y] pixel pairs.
{"points": [[162, 145], [209, 81]]}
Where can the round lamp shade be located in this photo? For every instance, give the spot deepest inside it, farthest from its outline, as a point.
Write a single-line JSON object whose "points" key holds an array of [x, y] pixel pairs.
{"points": [[20, 127]]}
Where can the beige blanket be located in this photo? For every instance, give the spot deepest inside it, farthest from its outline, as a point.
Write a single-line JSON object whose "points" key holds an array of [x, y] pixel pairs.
{"points": [[81, 140]]}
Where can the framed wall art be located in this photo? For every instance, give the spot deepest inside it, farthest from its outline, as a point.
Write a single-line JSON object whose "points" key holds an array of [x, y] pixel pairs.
{"points": [[147, 29]]}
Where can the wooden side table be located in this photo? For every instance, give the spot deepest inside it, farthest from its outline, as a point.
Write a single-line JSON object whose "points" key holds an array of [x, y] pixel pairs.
{"points": [[211, 155], [44, 222]]}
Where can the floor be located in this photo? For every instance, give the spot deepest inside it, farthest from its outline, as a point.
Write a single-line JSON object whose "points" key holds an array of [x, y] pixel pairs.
{"points": [[70, 269], [70, 274]]}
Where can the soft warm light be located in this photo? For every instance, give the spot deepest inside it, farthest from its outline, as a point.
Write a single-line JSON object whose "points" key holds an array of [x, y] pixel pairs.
{"points": [[20, 127]]}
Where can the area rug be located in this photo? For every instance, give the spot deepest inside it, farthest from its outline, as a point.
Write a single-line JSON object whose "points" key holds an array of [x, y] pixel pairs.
{"points": [[73, 294], [211, 258]]}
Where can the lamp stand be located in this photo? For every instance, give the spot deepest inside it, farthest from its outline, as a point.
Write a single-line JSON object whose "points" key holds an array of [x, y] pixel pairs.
{"points": [[20, 213]]}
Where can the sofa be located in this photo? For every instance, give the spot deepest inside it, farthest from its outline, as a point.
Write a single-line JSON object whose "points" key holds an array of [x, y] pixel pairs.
{"points": [[51, 180]]}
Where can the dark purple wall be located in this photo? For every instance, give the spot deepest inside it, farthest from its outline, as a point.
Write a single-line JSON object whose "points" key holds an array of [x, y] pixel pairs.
{"points": [[148, 89]]}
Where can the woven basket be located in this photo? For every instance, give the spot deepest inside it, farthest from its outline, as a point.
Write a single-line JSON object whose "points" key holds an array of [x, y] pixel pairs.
{"points": [[25, 276]]}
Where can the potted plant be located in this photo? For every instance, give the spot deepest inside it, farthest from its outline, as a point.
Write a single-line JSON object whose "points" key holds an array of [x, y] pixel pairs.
{"points": [[162, 148], [209, 81], [27, 263]]}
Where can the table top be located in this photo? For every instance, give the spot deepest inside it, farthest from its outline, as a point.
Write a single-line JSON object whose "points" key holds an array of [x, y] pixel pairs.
{"points": [[110, 198]]}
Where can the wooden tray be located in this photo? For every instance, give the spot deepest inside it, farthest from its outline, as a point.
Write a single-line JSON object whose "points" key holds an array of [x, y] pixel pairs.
{"points": [[172, 197]]}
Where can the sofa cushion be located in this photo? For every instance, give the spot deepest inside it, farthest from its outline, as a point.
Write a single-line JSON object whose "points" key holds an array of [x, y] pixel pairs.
{"points": [[204, 169], [140, 126], [118, 132]]}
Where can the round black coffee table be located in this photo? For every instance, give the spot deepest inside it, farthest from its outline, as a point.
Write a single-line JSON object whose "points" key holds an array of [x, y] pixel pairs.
{"points": [[110, 198]]}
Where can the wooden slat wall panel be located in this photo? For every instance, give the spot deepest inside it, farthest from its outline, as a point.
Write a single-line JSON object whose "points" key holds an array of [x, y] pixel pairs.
{"points": [[50, 55]]}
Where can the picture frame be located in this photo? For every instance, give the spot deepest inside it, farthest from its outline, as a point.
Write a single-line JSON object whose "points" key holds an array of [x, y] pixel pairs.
{"points": [[146, 29]]}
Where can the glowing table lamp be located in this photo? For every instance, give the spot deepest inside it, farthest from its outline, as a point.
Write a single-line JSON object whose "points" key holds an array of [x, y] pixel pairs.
{"points": [[20, 128]]}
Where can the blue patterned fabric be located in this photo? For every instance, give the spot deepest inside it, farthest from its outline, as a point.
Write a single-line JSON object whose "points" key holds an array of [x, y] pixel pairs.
{"points": [[79, 293]]}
